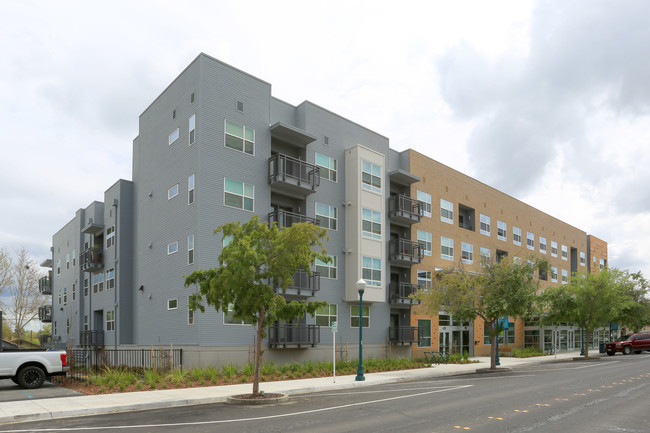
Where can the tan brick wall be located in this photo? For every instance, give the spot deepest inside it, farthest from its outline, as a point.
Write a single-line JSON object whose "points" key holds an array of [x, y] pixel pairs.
{"points": [[597, 250]]}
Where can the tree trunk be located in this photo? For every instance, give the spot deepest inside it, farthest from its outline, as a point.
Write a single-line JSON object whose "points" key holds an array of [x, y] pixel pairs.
{"points": [[493, 352], [258, 352], [586, 342]]}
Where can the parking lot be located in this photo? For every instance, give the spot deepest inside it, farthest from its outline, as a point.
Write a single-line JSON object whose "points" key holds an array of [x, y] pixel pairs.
{"points": [[9, 391]]}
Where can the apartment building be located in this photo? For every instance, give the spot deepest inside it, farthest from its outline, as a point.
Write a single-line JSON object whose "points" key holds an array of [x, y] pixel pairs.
{"points": [[215, 146]]}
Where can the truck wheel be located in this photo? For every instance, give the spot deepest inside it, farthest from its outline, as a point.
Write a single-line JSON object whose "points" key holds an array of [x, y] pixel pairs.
{"points": [[611, 353], [627, 350], [30, 377]]}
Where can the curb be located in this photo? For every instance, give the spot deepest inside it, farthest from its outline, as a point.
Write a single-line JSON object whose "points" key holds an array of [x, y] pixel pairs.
{"points": [[236, 400]]}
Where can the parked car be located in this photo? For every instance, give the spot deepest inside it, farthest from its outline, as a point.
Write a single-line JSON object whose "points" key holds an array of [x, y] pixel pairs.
{"points": [[29, 368], [629, 343]]}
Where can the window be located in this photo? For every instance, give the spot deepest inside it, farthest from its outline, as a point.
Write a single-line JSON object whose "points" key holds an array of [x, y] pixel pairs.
{"points": [[424, 239], [554, 274], [371, 271], [502, 231], [110, 236], [565, 252], [602, 264], [542, 245], [240, 138], [327, 270], [172, 304], [85, 322], [59, 293], [192, 128], [426, 199], [98, 283], [229, 317], [172, 192], [530, 240], [424, 280], [553, 248], [172, 248], [467, 254], [510, 331], [240, 106], [543, 274], [65, 296], [370, 176], [67, 326], [446, 211], [516, 236], [371, 223], [239, 195], [67, 261], [173, 114], [327, 216], [190, 189], [583, 259], [446, 248], [424, 330], [190, 249], [326, 140], [58, 267], [192, 98], [327, 167], [110, 279], [485, 225], [110, 320], [173, 136], [85, 286], [74, 291], [486, 256], [326, 315], [354, 316], [74, 257], [190, 313], [565, 276]]}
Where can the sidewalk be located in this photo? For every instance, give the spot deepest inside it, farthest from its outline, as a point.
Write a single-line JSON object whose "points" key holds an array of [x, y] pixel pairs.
{"points": [[32, 410]]}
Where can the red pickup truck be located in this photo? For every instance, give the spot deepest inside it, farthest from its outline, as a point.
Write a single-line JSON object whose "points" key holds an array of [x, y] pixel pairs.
{"points": [[629, 343]]}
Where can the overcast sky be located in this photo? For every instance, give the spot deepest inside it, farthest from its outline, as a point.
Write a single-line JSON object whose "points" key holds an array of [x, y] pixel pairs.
{"points": [[546, 101]]}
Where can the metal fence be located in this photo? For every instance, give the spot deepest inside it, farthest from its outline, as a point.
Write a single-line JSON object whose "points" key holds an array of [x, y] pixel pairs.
{"points": [[92, 360]]}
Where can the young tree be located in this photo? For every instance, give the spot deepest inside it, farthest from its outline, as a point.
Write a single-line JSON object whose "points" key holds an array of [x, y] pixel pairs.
{"points": [[6, 271], [589, 301], [502, 289], [636, 314], [255, 258], [25, 298]]}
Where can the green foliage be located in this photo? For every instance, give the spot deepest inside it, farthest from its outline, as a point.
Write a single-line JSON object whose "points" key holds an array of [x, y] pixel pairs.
{"points": [[527, 352], [635, 314], [229, 371]]}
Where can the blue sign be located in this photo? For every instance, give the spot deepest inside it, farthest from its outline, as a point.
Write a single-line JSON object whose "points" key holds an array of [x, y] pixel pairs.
{"points": [[503, 323]]}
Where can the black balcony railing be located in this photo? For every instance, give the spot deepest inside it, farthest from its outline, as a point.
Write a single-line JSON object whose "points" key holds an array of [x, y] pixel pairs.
{"points": [[405, 252], [91, 338], [286, 219], [284, 168], [303, 284], [400, 293], [92, 259], [45, 285], [405, 209], [298, 335], [45, 313], [403, 334]]}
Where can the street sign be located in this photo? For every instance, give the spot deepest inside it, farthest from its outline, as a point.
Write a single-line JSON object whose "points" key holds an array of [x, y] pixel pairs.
{"points": [[335, 327]]}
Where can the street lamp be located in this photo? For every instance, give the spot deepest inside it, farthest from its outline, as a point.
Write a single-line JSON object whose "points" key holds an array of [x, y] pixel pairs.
{"points": [[361, 287]]}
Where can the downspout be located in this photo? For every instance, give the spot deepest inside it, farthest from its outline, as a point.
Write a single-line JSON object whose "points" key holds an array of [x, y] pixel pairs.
{"points": [[117, 274]]}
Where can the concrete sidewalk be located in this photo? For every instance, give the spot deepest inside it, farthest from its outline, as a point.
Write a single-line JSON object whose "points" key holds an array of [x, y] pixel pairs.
{"points": [[32, 410]]}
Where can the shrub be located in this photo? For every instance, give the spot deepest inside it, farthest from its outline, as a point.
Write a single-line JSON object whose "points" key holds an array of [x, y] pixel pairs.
{"points": [[527, 352]]}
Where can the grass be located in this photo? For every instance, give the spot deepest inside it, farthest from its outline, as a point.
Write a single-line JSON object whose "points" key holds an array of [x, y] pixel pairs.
{"points": [[527, 352]]}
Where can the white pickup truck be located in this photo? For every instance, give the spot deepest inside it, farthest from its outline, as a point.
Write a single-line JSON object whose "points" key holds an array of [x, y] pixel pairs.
{"points": [[30, 368]]}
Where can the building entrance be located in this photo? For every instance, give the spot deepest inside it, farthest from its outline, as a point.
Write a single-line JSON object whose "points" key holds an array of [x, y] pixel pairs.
{"points": [[453, 336]]}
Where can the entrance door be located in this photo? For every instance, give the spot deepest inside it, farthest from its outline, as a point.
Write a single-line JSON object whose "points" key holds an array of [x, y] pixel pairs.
{"points": [[444, 341]]}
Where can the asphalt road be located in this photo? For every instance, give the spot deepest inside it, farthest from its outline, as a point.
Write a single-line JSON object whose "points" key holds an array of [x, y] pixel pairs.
{"points": [[9, 391], [607, 395]]}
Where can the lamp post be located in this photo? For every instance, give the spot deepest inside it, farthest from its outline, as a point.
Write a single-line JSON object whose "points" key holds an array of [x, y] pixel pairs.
{"points": [[361, 287]]}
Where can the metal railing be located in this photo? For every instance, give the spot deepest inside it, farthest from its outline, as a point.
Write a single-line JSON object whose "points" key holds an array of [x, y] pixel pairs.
{"points": [[92, 360], [401, 292], [303, 282], [45, 313], [92, 258], [403, 334], [405, 206], [405, 250], [283, 167], [286, 219], [45, 285], [91, 338], [300, 335]]}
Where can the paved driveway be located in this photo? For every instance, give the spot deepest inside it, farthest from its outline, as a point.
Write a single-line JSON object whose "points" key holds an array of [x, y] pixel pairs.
{"points": [[9, 391]]}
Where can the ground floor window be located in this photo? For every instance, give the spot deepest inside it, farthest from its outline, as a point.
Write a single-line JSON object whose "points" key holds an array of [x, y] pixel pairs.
{"points": [[354, 316], [326, 315]]}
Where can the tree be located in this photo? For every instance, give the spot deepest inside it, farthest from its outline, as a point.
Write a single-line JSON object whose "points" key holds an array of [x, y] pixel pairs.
{"points": [[635, 314], [589, 301], [25, 297], [257, 257], [6, 270], [502, 289]]}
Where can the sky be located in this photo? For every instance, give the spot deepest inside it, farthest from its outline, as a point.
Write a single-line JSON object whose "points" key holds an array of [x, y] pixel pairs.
{"points": [[546, 101]]}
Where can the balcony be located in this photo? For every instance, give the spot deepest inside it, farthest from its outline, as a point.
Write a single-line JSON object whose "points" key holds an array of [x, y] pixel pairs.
{"points": [[45, 285], [291, 135], [404, 252], [403, 334], [287, 219], [298, 335], [91, 338], [91, 260], [45, 314], [303, 284], [404, 211], [465, 217], [400, 293], [293, 177]]}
